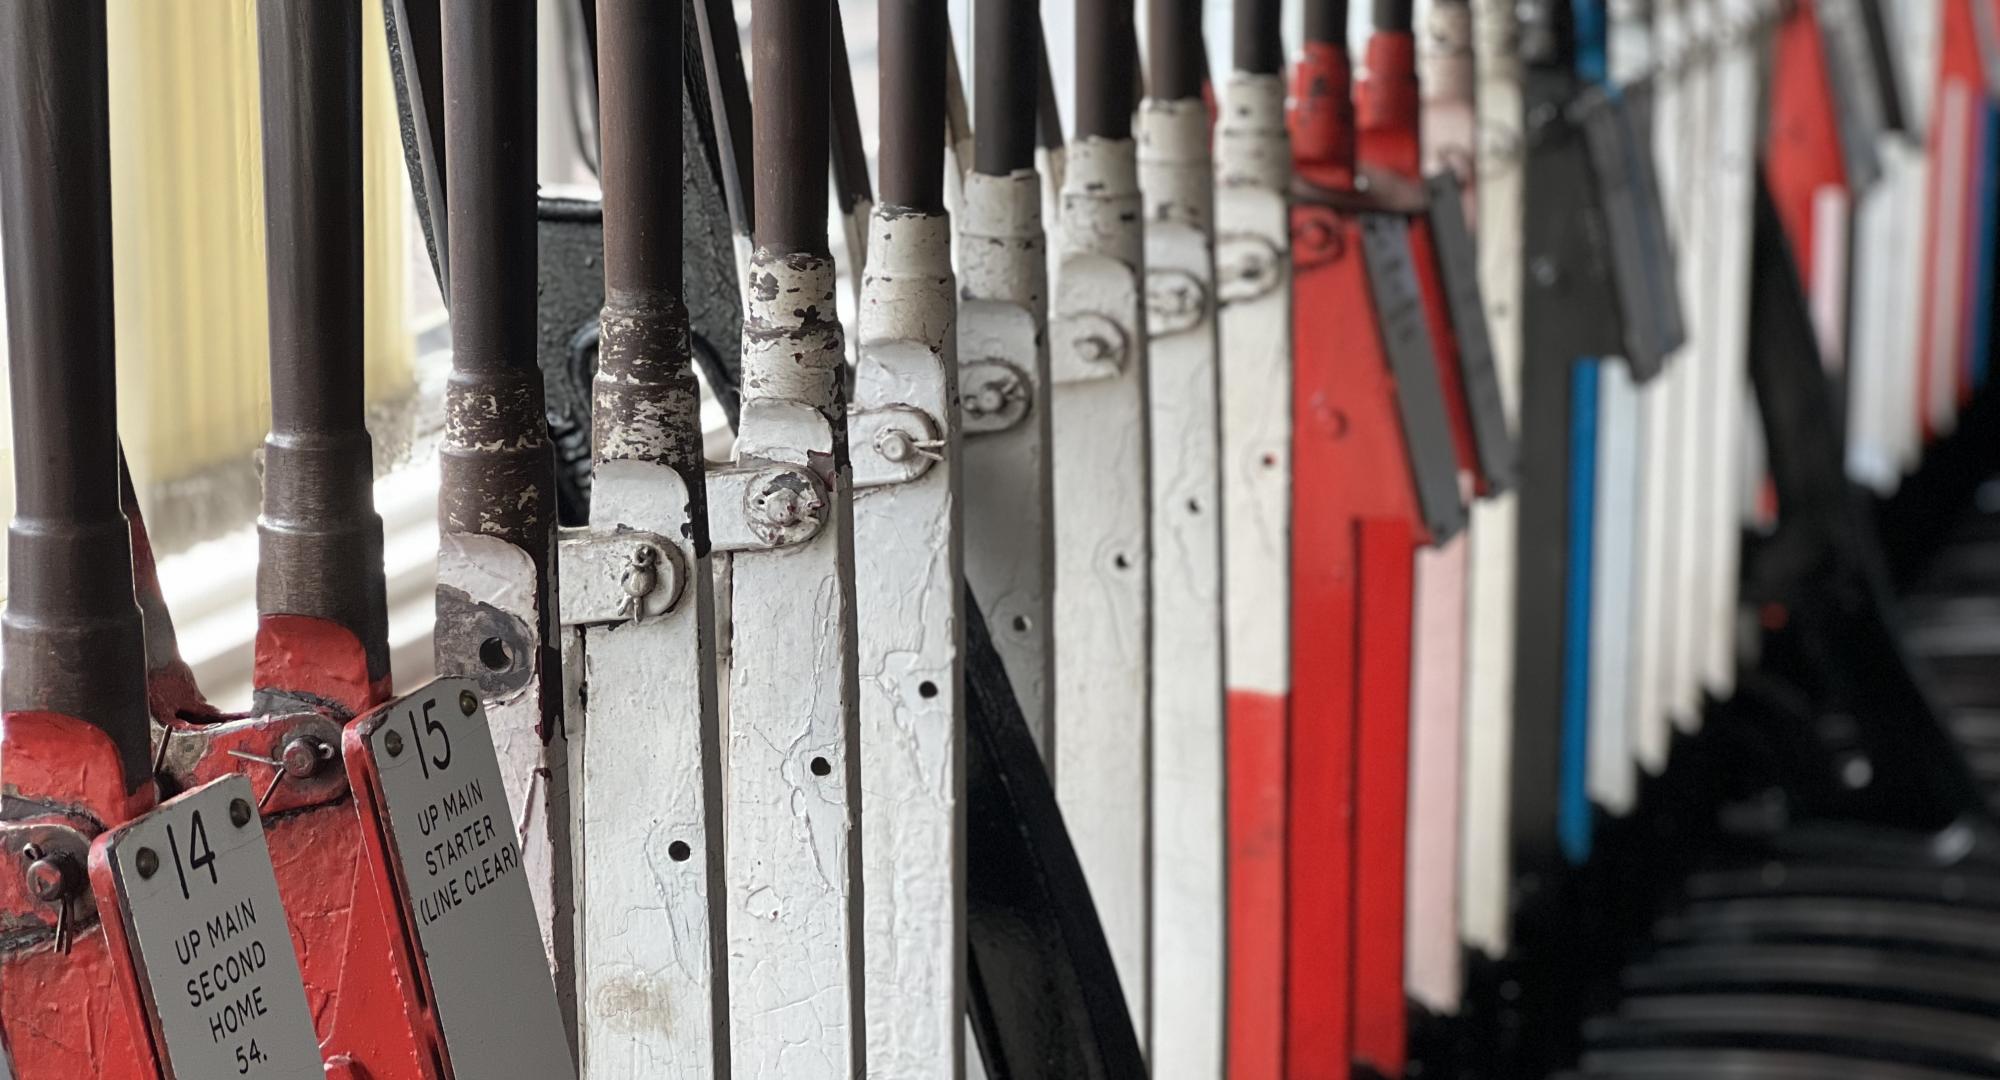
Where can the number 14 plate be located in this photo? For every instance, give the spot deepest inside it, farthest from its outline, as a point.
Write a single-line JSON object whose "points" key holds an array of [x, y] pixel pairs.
{"points": [[208, 936]]}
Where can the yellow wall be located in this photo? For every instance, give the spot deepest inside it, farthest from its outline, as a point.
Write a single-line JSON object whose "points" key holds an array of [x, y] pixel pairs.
{"points": [[188, 210]]}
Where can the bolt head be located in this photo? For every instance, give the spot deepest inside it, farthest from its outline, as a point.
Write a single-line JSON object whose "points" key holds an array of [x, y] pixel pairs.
{"points": [[781, 507], [895, 445], [303, 755], [51, 878], [393, 742], [148, 862], [468, 702]]}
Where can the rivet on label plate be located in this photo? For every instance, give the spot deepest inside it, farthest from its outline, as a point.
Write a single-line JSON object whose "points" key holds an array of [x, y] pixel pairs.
{"points": [[394, 743], [468, 703], [148, 862], [239, 812]]}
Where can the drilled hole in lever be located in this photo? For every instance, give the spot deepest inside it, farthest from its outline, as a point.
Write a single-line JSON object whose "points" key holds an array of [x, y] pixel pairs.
{"points": [[493, 653]]}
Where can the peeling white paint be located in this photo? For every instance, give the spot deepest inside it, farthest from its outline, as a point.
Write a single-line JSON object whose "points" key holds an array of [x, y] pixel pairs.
{"points": [[794, 771], [908, 569], [653, 997], [1103, 548], [1008, 485], [492, 571]]}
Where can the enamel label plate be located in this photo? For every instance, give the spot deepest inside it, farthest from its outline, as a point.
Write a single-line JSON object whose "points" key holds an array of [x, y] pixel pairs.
{"points": [[455, 850], [1406, 337], [209, 937]]}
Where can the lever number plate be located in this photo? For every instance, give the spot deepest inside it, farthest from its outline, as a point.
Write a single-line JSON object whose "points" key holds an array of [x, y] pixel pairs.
{"points": [[1406, 337], [209, 938], [1458, 264], [457, 859]]}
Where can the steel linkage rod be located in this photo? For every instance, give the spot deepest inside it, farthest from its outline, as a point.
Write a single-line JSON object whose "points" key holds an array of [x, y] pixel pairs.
{"points": [[1048, 110], [651, 736], [855, 197], [1106, 70], [320, 540], [1253, 277], [1326, 22], [1174, 46], [792, 64], [1258, 44], [1006, 90], [912, 43], [903, 433], [1187, 876], [1103, 496], [74, 639], [1393, 16], [729, 97], [794, 783]]}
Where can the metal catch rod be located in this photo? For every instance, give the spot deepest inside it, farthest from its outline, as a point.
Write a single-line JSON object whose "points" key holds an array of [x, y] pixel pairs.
{"points": [[320, 540], [74, 638]]}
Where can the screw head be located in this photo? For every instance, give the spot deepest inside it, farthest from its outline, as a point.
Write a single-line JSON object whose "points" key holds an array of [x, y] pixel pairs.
{"points": [[240, 812], [51, 878], [393, 742], [148, 862], [468, 702], [303, 755]]}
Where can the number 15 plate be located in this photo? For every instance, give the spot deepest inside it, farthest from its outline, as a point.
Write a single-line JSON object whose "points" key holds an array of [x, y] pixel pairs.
{"points": [[431, 776]]}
